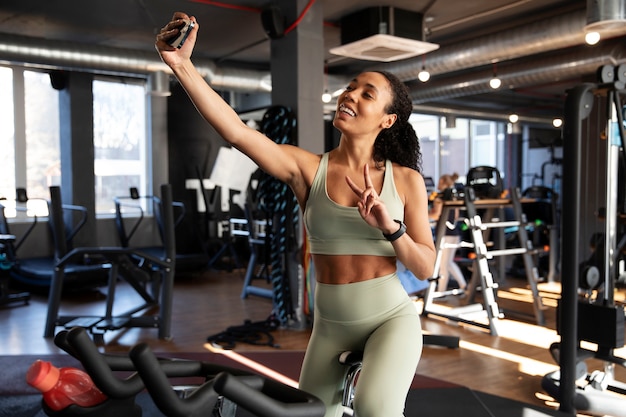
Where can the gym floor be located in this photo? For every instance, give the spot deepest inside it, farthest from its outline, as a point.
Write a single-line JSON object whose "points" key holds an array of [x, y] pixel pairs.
{"points": [[509, 365]]}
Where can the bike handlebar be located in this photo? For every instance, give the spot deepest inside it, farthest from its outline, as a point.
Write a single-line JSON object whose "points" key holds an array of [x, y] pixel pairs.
{"points": [[259, 395]]}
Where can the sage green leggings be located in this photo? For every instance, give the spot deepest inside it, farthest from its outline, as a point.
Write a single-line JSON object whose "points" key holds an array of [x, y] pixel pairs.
{"points": [[377, 317]]}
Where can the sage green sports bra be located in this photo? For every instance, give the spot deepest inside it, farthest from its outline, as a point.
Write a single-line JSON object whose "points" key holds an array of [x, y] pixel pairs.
{"points": [[333, 229]]}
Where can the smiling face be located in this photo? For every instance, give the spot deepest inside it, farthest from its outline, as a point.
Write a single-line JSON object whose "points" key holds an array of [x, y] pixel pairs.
{"points": [[362, 107]]}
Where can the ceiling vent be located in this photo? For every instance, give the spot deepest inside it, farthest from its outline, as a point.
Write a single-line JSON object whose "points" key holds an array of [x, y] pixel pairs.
{"points": [[383, 34]]}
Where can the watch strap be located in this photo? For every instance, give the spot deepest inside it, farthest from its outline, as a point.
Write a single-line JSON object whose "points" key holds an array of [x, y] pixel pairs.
{"points": [[394, 236]]}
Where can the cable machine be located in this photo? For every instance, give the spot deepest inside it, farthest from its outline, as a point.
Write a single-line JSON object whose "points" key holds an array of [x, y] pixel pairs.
{"points": [[581, 317]]}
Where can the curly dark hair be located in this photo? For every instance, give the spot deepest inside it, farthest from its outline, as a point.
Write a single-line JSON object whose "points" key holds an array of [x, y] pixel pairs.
{"points": [[399, 143]]}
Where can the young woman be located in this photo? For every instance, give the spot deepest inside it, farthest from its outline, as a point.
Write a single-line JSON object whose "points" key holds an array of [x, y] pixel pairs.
{"points": [[365, 205]]}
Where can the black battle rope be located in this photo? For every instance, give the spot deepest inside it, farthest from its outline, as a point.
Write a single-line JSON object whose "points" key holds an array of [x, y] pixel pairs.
{"points": [[277, 200]]}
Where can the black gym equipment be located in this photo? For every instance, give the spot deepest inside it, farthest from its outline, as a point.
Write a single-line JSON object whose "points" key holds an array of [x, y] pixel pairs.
{"points": [[221, 391], [35, 273], [8, 248], [259, 228], [599, 320], [130, 214], [6, 295], [543, 214], [485, 181], [152, 278]]}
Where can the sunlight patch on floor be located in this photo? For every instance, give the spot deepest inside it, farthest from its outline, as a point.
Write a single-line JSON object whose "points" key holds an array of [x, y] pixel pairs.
{"points": [[550, 287], [260, 368], [526, 365], [526, 333], [525, 296]]}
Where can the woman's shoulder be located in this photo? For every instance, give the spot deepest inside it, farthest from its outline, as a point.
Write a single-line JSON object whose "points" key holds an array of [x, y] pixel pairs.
{"points": [[406, 173], [302, 156], [307, 161], [407, 180]]}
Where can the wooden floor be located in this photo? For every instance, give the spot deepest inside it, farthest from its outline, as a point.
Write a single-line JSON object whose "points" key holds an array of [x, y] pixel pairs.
{"points": [[509, 365]]}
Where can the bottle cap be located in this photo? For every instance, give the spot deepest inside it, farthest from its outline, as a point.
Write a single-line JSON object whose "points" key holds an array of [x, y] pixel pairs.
{"points": [[42, 375]]}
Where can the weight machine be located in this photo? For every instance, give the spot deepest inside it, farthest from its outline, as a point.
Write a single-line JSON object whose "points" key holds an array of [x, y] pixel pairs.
{"points": [[582, 316]]}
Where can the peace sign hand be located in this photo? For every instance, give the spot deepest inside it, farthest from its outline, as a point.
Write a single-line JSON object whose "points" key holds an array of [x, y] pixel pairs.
{"points": [[371, 208]]}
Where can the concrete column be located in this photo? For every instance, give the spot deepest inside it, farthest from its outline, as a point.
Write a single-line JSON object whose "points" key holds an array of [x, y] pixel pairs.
{"points": [[158, 125], [77, 151], [297, 66]]}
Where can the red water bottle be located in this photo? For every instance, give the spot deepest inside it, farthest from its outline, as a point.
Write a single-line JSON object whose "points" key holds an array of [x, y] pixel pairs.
{"points": [[62, 387]]}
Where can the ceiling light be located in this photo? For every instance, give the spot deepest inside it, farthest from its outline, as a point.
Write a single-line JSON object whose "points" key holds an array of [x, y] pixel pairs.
{"points": [[423, 75], [513, 118], [495, 82], [592, 38], [557, 122], [326, 97]]}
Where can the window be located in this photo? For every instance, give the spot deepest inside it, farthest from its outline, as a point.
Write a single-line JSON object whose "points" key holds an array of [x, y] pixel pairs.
{"points": [[453, 147], [427, 129], [483, 145], [29, 137], [120, 145], [7, 135], [487, 144], [43, 158]]}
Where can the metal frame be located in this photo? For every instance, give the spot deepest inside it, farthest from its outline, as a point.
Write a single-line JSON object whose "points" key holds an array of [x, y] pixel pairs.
{"points": [[482, 277], [158, 271]]}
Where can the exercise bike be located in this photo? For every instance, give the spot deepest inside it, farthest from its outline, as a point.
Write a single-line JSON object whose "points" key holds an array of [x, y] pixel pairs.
{"points": [[222, 390]]}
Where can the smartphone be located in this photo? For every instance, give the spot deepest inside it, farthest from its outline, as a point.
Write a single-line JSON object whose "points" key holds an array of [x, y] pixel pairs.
{"points": [[183, 32]]}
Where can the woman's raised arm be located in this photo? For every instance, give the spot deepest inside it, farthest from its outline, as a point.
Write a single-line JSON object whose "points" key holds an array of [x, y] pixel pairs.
{"points": [[280, 161]]}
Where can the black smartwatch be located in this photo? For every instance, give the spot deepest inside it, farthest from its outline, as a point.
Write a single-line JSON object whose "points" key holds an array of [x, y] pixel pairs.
{"points": [[396, 235]]}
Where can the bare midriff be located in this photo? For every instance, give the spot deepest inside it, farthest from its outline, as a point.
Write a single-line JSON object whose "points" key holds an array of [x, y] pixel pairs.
{"points": [[346, 269]]}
